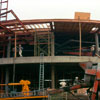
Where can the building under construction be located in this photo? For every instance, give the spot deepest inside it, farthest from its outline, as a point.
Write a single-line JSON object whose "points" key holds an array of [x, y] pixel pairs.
{"points": [[52, 49]]}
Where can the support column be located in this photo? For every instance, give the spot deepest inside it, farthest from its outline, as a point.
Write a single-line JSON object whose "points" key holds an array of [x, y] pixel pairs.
{"points": [[7, 79], [15, 47], [80, 35], [38, 49], [14, 66], [35, 45], [7, 69], [3, 50], [52, 45], [97, 43], [2, 76], [48, 44], [52, 67], [52, 77], [9, 48]]}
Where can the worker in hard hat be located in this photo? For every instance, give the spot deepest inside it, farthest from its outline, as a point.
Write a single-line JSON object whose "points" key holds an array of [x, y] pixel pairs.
{"points": [[20, 50], [63, 84], [93, 50]]}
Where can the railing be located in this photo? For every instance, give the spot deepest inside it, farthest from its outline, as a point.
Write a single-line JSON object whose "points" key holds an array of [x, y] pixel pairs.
{"points": [[24, 94]]}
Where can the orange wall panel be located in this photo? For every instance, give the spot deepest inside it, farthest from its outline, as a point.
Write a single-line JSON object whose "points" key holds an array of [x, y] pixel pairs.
{"points": [[82, 16]]}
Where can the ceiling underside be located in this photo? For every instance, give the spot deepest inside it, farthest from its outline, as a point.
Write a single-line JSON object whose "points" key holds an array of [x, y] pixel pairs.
{"points": [[59, 25], [27, 28]]}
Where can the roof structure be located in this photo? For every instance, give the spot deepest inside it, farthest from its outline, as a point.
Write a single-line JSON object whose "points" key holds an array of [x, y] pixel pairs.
{"points": [[63, 29], [29, 27]]}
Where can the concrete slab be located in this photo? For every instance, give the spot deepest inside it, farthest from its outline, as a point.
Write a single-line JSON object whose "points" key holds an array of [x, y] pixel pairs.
{"points": [[49, 59]]}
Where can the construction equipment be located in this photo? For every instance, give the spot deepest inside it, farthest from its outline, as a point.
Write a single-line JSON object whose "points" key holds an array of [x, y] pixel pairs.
{"points": [[91, 81], [24, 83], [24, 94]]}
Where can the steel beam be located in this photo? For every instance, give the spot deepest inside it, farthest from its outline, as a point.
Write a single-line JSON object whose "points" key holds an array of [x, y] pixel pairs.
{"points": [[39, 21]]}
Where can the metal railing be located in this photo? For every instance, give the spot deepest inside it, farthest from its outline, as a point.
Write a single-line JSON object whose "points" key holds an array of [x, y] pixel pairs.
{"points": [[24, 94]]}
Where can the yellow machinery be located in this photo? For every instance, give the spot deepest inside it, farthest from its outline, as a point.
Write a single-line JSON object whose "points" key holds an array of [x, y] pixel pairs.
{"points": [[24, 83], [26, 93]]}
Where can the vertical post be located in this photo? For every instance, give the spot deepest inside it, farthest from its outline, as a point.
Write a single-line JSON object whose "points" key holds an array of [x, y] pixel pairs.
{"points": [[38, 45], [6, 79], [15, 46], [7, 10], [53, 76], [14, 61], [48, 44], [80, 36], [35, 45], [0, 11], [38, 49], [2, 78], [52, 67], [97, 43], [52, 45], [9, 47], [7, 71], [14, 72], [3, 50]]}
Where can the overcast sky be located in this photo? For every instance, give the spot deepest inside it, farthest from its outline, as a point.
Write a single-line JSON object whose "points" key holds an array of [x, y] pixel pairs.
{"points": [[51, 9]]}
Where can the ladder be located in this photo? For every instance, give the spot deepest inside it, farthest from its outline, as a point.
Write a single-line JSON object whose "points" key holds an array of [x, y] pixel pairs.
{"points": [[41, 72], [3, 9]]}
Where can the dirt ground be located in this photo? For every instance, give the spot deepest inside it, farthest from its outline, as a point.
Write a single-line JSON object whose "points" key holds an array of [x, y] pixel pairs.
{"points": [[77, 97]]}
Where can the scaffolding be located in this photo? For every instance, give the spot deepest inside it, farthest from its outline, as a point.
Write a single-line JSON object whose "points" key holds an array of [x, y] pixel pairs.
{"points": [[3, 9], [43, 42]]}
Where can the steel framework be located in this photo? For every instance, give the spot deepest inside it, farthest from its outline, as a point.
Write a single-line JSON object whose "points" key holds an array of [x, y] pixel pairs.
{"points": [[3, 8]]}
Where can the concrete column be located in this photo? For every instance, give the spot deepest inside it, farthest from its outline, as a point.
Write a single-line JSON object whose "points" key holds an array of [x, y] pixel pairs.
{"points": [[97, 43], [7, 79], [53, 76], [7, 69], [2, 76], [9, 48], [52, 45]]}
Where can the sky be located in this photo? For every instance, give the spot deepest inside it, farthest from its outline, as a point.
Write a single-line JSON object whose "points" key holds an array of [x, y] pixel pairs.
{"points": [[54, 9]]}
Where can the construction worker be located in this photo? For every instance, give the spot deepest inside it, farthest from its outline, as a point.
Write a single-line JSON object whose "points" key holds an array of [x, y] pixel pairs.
{"points": [[93, 50], [76, 82], [63, 84], [20, 50]]}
